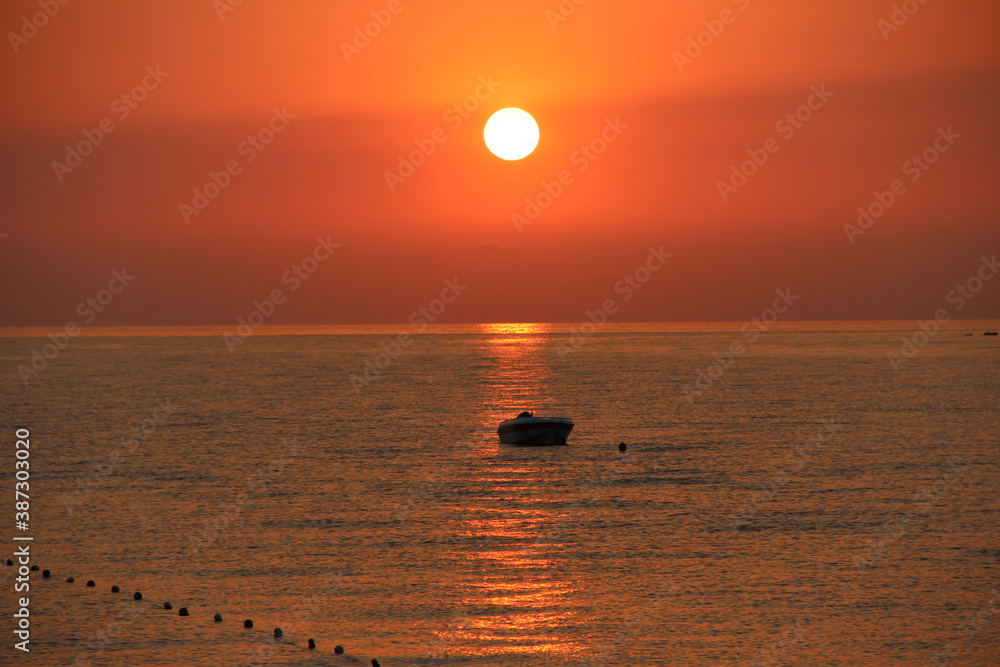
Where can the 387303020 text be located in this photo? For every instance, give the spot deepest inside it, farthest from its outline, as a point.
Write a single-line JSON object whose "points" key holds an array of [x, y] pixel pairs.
{"points": [[22, 554]]}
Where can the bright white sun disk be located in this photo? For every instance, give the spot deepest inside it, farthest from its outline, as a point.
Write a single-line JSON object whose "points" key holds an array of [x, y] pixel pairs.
{"points": [[511, 133]]}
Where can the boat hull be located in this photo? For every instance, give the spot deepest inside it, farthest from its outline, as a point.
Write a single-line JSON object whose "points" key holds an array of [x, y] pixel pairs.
{"points": [[535, 431]]}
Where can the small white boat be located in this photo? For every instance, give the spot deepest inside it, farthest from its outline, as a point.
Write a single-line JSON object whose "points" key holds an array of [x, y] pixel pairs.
{"points": [[526, 429]]}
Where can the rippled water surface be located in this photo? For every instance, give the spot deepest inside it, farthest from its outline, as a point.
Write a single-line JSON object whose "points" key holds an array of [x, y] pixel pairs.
{"points": [[808, 505]]}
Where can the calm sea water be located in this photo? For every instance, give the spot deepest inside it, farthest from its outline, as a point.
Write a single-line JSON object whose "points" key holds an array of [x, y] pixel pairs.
{"points": [[810, 506]]}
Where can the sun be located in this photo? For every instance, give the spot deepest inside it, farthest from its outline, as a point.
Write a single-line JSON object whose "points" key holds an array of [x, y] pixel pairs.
{"points": [[511, 133]]}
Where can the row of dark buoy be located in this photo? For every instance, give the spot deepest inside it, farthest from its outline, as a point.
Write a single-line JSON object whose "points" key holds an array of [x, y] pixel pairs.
{"points": [[183, 611]]}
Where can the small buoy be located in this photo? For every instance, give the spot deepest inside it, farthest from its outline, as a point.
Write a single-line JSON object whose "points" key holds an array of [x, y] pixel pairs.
{"points": [[375, 663], [137, 596], [278, 633], [622, 447], [312, 643], [248, 623], [167, 605], [46, 574], [183, 611], [115, 589], [90, 583], [218, 618], [35, 568], [338, 649], [70, 580]]}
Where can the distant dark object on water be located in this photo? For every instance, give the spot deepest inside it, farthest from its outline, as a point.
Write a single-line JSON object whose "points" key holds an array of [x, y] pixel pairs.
{"points": [[35, 568], [278, 633], [183, 611], [9, 562], [338, 649], [115, 589], [90, 583], [312, 643], [989, 333], [70, 580], [971, 334], [375, 663], [248, 623], [218, 618], [46, 574], [167, 605], [622, 447], [137, 596]]}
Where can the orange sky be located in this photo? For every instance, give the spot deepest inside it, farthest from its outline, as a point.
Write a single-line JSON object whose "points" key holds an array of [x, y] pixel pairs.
{"points": [[680, 131]]}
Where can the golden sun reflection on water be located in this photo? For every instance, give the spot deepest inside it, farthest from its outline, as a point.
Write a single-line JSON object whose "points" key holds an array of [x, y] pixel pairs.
{"points": [[514, 584], [517, 373]]}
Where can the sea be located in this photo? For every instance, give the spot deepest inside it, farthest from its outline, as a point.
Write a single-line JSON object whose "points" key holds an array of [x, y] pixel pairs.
{"points": [[804, 493]]}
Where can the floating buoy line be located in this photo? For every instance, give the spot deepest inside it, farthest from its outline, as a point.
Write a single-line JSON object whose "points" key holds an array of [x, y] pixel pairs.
{"points": [[183, 611]]}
